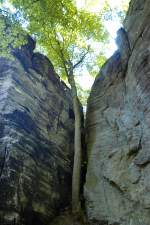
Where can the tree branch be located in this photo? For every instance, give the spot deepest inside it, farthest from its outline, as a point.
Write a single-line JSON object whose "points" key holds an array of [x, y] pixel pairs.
{"points": [[60, 53], [62, 56], [82, 58]]}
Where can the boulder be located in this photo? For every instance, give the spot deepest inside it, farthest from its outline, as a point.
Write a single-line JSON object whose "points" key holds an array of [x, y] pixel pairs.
{"points": [[36, 139], [117, 188]]}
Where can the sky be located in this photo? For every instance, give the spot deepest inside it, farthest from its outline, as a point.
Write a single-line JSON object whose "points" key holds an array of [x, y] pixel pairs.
{"points": [[86, 81], [112, 26]]}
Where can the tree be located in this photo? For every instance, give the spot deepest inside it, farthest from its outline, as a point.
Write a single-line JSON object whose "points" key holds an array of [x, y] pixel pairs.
{"points": [[117, 11], [10, 28], [65, 33]]}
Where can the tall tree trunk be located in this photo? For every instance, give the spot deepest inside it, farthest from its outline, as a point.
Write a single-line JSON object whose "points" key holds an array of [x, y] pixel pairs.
{"points": [[76, 178]]}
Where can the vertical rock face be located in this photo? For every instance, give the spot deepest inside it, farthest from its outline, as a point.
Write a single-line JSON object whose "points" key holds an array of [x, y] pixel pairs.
{"points": [[36, 139], [117, 188]]}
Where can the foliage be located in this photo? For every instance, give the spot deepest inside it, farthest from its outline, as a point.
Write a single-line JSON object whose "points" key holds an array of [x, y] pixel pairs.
{"points": [[61, 29], [66, 34], [115, 12], [11, 33]]}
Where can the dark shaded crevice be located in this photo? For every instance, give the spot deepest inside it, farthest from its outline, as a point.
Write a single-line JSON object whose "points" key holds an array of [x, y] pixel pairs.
{"points": [[103, 222], [3, 163], [142, 166], [84, 159], [113, 184], [134, 150], [83, 170]]}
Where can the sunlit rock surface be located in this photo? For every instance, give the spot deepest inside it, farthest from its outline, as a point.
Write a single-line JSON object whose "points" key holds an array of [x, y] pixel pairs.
{"points": [[36, 139], [117, 189]]}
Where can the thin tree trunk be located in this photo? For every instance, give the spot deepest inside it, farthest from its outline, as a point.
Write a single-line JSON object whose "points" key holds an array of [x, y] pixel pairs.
{"points": [[76, 178]]}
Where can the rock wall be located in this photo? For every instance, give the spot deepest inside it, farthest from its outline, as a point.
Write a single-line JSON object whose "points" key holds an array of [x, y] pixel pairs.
{"points": [[117, 189], [36, 139]]}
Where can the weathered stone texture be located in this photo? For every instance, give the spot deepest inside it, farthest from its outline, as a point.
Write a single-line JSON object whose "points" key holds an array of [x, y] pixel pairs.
{"points": [[36, 139], [117, 188]]}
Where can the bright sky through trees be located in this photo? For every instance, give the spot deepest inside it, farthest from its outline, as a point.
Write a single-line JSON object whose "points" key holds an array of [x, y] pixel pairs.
{"points": [[112, 25]]}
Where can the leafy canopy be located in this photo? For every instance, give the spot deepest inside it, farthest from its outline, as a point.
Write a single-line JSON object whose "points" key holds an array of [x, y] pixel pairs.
{"points": [[11, 33], [61, 30]]}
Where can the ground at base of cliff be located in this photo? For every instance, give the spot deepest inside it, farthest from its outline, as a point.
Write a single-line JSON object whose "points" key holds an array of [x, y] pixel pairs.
{"points": [[67, 218]]}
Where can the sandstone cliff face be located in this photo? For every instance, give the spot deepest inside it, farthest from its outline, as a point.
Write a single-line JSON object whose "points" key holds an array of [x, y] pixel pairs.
{"points": [[117, 188], [36, 139]]}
